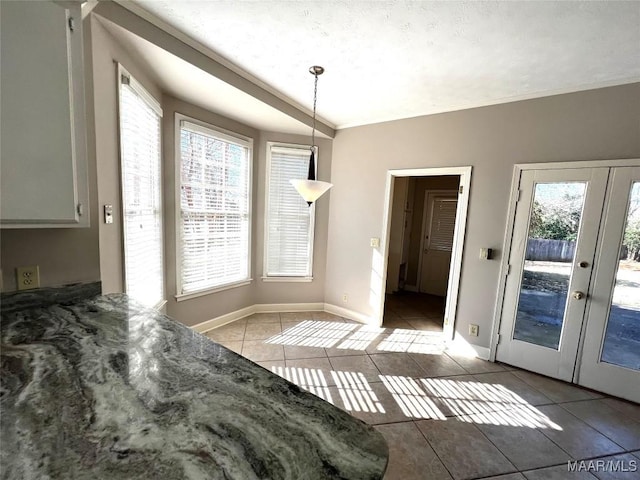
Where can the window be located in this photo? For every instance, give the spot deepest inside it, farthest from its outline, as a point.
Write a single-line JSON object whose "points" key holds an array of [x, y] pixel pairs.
{"points": [[140, 116], [214, 223], [289, 220]]}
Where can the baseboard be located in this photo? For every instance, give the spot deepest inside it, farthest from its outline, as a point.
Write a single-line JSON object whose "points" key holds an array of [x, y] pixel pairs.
{"points": [[224, 319], [289, 307], [257, 308], [346, 313]]}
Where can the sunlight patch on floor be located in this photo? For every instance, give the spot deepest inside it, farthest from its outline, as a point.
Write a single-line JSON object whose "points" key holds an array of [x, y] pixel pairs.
{"points": [[313, 333], [309, 379], [413, 341], [484, 403], [412, 400], [362, 338], [356, 393]]}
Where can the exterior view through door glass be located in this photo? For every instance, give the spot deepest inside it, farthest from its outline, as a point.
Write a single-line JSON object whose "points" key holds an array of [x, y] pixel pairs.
{"points": [[611, 355], [550, 251], [622, 336]]}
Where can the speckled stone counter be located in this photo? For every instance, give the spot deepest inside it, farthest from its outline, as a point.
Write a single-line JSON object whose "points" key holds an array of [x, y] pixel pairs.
{"points": [[105, 389]]}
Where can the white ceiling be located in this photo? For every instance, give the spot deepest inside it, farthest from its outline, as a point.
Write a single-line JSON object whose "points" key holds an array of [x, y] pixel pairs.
{"points": [[386, 60]]}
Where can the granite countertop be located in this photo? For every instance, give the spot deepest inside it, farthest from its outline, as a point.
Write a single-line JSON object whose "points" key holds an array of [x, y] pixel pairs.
{"points": [[104, 388]]}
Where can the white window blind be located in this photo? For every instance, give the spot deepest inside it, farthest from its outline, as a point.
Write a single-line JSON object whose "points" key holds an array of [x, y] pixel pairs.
{"points": [[443, 224], [215, 179], [289, 220], [141, 192]]}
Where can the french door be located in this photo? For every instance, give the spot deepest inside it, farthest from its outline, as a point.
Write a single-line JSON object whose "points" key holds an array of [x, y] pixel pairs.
{"points": [[571, 306]]}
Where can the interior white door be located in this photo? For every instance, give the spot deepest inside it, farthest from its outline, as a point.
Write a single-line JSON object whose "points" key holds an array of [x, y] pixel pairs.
{"points": [[611, 355], [550, 265], [438, 243]]}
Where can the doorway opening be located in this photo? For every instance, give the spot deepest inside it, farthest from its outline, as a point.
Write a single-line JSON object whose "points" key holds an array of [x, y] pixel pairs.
{"points": [[425, 219]]}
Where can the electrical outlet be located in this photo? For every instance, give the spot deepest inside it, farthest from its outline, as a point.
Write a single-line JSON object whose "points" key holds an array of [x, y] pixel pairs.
{"points": [[345, 298], [28, 277], [473, 330]]}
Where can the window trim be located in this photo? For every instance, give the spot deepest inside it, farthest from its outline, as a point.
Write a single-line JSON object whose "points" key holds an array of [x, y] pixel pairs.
{"points": [[232, 136], [155, 105], [312, 221]]}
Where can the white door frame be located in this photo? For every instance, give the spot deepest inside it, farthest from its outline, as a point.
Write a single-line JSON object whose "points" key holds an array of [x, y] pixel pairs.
{"points": [[458, 239], [506, 248], [426, 218]]}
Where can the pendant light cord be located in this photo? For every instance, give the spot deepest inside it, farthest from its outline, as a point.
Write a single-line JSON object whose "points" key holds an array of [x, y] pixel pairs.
{"points": [[315, 98]]}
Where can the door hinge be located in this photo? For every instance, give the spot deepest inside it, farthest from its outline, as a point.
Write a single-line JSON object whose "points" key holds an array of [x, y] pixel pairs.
{"points": [[519, 196], [508, 270], [72, 24], [498, 338], [79, 209], [461, 189]]}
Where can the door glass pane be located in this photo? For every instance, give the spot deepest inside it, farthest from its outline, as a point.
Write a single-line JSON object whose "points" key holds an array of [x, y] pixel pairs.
{"points": [[551, 243], [622, 338]]}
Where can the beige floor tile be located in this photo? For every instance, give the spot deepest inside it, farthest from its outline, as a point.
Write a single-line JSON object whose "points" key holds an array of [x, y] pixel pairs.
{"points": [[326, 317], [437, 365], [293, 351], [476, 365], [511, 439], [270, 317], [360, 364], [464, 450], [311, 371], [609, 421], [508, 476], [556, 390], [631, 410], [410, 455], [262, 331], [370, 402], [618, 467], [512, 384], [258, 351], [337, 351], [274, 366], [295, 316], [230, 332], [559, 472], [574, 436], [235, 346], [397, 364]]}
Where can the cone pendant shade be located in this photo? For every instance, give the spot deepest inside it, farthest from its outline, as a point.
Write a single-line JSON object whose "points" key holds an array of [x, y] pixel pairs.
{"points": [[311, 189]]}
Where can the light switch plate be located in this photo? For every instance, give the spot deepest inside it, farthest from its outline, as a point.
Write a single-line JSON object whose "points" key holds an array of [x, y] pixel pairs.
{"points": [[374, 242]]}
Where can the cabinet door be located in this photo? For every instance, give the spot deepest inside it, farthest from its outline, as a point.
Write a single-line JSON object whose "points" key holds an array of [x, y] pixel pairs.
{"points": [[43, 151]]}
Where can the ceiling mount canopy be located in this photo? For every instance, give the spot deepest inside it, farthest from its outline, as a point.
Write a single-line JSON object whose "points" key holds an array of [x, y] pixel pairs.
{"points": [[312, 189]]}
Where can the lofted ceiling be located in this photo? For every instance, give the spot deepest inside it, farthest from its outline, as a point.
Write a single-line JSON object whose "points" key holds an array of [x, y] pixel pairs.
{"points": [[387, 60]]}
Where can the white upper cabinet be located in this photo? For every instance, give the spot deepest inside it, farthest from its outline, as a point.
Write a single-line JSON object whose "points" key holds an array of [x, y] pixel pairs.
{"points": [[43, 153]]}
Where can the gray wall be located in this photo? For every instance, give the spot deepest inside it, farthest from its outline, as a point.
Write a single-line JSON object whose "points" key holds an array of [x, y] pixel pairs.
{"points": [[590, 125], [65, 255]]}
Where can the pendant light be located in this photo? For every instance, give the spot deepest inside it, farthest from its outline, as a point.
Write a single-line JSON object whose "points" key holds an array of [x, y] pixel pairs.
{"points": [[312, 189]]}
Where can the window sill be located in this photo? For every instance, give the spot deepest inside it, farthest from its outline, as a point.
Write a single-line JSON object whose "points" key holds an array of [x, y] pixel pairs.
{"points": [[288, 279], [207, 291]]}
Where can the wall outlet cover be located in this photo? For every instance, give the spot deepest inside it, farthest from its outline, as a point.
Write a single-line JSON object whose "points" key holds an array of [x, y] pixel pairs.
{"points": [[28, 277]]}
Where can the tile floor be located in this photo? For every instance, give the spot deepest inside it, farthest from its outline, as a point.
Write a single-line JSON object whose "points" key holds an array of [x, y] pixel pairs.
{"points": [[444, 415]]}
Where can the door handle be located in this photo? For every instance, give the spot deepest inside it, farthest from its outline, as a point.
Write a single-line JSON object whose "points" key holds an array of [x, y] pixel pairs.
{"points": [[578, 295]]}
